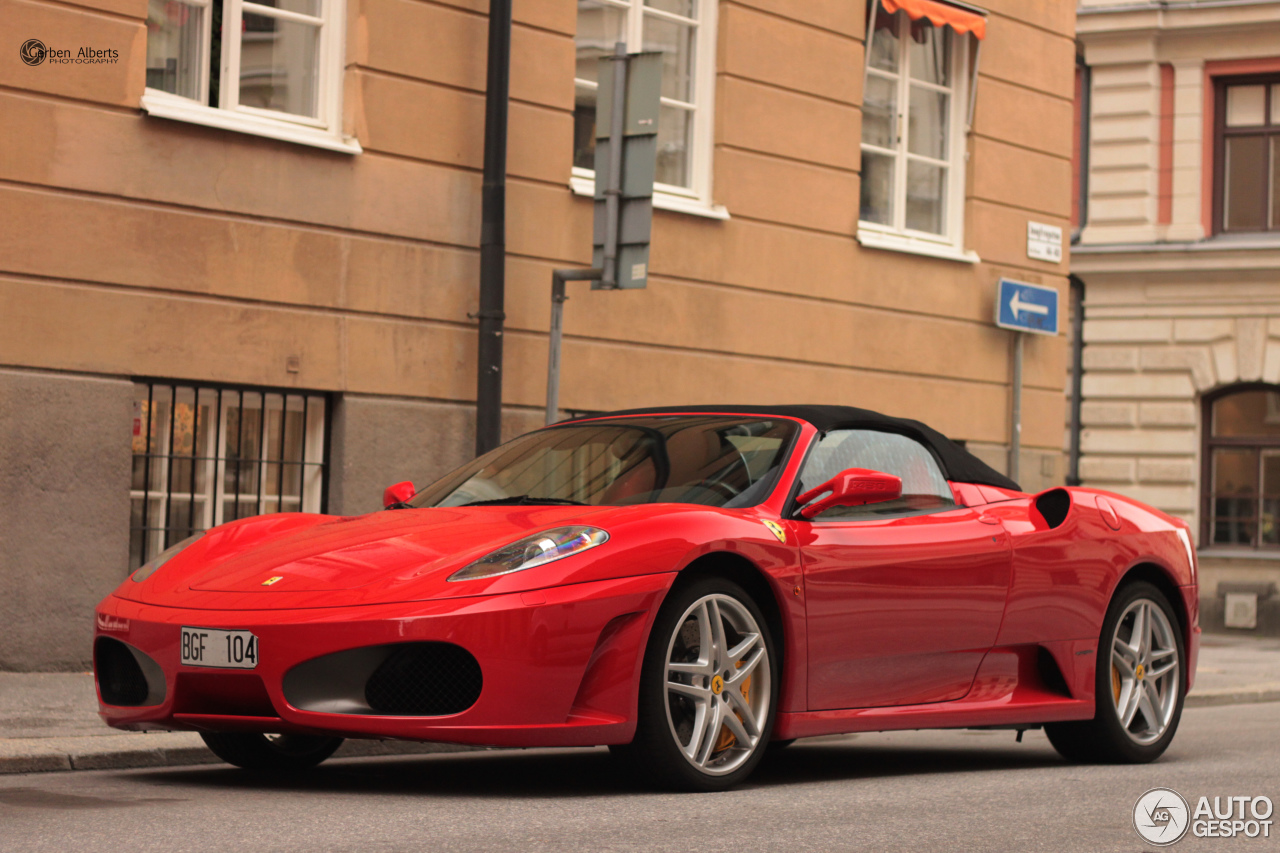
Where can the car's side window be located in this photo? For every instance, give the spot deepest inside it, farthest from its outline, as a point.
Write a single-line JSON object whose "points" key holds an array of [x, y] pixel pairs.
{"points": [[924, 488]]}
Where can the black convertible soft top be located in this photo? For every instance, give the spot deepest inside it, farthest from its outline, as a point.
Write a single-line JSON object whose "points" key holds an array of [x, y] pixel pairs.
{"points": [[960, 465]]}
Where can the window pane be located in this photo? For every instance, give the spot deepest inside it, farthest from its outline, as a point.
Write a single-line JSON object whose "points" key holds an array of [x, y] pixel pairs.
{"points": [[1275, 182], [884, 42], [880, 112], [175, 47], [688, 8], [1246, 105], [675, 127], [599, 28], [1245, 194], [279, 65], [676, 41], [927, 123], [584, 128], [1248, 414], [926, 197], [1275, 104], [1234, 502], [1270, 533], [930, 53], [876, 204], [923, 485], [302, 7]]}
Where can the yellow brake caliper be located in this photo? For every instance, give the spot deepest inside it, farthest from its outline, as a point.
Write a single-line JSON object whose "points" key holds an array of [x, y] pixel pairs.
{"points": [[727, 738], [1115, 682]]}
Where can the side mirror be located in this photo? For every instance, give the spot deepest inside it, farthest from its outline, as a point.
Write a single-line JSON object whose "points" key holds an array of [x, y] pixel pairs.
{"points": [[397, 494], [852, 487]]}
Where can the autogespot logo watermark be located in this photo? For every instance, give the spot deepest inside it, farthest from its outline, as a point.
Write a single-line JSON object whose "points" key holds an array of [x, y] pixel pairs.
{"points": [[1162, 817]]}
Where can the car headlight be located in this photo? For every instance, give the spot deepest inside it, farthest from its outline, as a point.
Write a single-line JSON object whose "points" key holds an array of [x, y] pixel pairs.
{"points": [[149, 568], [532, 551]]}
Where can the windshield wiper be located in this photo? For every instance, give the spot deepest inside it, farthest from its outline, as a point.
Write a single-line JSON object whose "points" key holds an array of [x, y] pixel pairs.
{"points": [[526, 500]]}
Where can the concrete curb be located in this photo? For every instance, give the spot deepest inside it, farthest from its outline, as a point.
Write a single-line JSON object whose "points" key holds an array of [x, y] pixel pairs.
{"points": [[1234, 696]]}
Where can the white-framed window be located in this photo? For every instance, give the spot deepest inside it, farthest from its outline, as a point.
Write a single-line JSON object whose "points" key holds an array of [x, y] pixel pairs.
{"points": [[206, 455], [913, 137], [684, 31], [268, 67]]}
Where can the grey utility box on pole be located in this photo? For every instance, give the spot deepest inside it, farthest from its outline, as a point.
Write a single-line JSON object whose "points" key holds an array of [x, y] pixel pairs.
{"points": [[627, 106], [624, 175]]}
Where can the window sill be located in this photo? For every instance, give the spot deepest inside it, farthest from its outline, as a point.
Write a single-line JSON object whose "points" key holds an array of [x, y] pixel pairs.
{"points": [[873, 237], [164, 105], [661, 200]]}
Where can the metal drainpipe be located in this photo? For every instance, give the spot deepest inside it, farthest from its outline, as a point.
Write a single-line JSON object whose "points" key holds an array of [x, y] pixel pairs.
{"points": [[493, 232], [1077, 375]]}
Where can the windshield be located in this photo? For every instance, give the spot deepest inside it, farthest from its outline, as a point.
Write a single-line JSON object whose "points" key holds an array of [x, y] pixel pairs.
{"points": [[712, 460]]}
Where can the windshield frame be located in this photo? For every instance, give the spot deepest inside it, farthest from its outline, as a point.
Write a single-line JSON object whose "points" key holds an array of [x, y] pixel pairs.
{"points": [[785, 467]]}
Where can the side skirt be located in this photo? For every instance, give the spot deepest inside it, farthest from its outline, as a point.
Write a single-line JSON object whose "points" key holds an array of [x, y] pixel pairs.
{"points": [[1015, 686]]}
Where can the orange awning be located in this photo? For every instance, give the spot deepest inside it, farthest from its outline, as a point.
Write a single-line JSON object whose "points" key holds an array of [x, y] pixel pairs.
{"points": [[940, 15]]}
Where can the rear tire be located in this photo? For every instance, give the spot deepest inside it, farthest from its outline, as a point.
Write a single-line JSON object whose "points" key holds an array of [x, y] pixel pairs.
{"points": [[708, 690], [270, 753], [1139, 684]]}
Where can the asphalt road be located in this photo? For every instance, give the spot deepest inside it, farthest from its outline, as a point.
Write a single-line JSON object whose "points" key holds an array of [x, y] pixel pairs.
{"points": [[917, 791]]}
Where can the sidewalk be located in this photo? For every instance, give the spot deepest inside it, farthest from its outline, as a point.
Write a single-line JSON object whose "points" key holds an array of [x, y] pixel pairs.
{"points": [[49, 721]]}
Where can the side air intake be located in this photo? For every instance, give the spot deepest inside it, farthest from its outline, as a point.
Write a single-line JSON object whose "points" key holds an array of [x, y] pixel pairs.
{"points": [[1054, 506]]}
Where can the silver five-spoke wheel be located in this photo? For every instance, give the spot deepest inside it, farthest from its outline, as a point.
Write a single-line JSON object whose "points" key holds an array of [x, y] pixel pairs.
{"points": [[1145, 671], [1139, 682], [708, 688], [718, 684]]}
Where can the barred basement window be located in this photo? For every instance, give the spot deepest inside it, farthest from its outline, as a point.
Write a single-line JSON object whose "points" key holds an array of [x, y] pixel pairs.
{"points": [[204, 455]]}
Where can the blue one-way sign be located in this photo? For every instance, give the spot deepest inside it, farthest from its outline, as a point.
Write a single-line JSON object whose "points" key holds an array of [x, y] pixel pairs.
{"points": [[1027, 307]]}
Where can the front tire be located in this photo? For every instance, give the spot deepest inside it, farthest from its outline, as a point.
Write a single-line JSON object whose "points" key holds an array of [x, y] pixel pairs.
{"points": [[708, 689], [1139, 684], [270, 753]]}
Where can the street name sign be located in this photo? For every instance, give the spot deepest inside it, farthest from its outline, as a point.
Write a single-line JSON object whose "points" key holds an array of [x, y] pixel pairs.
{"points": [[1044, 242], [1024, 307]]}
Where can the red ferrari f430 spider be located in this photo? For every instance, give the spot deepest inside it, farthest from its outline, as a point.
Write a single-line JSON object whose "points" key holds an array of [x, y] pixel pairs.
{"points": [[688, 586]]}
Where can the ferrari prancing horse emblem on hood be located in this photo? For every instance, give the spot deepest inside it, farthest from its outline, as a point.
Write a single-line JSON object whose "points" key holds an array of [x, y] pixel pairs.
{"points": [[776, 529]]}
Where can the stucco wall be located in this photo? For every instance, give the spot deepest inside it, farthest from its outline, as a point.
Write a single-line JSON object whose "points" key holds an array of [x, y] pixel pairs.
{"points": [[64, 512], [210, 255], [378, 441]]}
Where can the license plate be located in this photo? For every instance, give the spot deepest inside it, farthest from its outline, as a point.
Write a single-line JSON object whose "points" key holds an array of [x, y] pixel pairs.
{"points": [[222, 649]]}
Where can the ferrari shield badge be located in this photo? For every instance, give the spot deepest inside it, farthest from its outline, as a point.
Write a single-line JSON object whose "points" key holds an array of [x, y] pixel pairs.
{"points": [[270, 581], [776, 529]]}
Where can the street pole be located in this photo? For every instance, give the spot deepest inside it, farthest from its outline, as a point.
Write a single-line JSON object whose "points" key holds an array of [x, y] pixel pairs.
{"points": [[493, 237], [558, 297], [1015, 441]]}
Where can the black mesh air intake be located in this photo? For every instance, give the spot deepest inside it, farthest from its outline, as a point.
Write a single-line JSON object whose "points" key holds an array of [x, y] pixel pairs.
{"points": [[120, 678], [425, 680]]}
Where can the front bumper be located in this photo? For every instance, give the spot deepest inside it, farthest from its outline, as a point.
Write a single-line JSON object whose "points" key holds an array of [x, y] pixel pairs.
{"points": [[561, 666]]}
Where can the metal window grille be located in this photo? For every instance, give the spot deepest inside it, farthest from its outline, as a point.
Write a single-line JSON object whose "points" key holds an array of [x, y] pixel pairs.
{"points": [[207, 454]]}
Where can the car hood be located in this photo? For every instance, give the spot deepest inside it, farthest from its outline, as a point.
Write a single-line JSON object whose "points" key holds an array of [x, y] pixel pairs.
{"points": [[296, 560]]}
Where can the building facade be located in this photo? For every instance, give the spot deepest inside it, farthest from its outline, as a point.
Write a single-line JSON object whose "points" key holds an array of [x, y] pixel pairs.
{"points": [[1180, 258], [238, 247]]}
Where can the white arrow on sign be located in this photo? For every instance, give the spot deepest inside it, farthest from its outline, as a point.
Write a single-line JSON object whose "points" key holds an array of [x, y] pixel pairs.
{"points": [[1016, 305]]}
